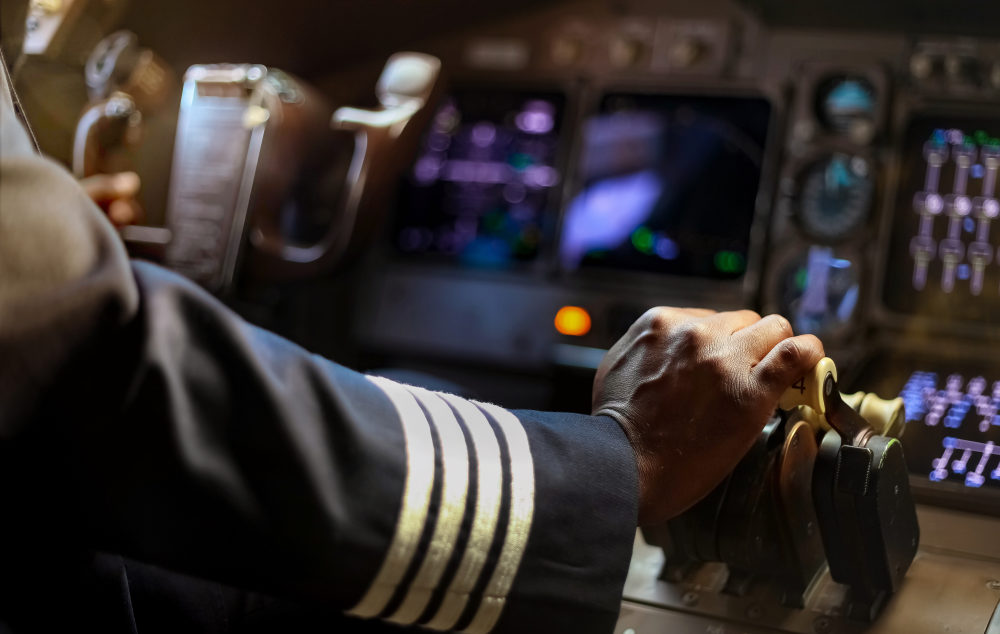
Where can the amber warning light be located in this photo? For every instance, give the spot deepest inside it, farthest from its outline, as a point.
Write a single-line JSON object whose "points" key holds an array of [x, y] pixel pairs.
{"points": [[573, 321]]}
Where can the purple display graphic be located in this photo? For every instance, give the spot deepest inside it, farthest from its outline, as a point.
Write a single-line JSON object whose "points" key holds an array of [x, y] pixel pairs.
{"points": [[960, 465], [965, 407], [481, 188], [977, 156]]}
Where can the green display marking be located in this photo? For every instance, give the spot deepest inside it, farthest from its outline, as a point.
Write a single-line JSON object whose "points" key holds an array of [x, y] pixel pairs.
{"points": [[730, 262], [984, 139], [520, 160], [801, 279], [981, 138], [642, 240]]}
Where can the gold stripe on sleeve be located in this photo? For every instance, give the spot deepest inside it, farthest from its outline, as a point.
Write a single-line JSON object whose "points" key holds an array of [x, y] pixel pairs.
{"points": [[415, 503], [522, 509], [484, 521], [455, 490]]}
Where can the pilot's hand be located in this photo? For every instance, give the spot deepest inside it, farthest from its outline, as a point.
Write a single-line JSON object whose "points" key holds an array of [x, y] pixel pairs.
{"points": [[115, 194], [692, 389]]}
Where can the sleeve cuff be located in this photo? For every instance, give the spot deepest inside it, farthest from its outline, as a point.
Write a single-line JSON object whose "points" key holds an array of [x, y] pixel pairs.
{"points": [[586, 509]]}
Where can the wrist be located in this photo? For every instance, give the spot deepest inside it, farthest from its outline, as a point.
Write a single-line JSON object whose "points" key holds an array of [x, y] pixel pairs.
{"points": [[643, 465]]}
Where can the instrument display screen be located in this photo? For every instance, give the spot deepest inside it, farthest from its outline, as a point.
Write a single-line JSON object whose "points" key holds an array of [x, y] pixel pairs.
{"points": [[952, 433], [943, 261], [482, 188], [668, 184]]}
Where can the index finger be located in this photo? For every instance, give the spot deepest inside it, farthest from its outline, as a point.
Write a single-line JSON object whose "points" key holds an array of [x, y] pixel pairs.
{"points": [[788, 360]]}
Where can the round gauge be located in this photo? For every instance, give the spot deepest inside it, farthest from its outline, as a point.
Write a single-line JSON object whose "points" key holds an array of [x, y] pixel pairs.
{"points": [[847, 104], [818, 291], [835, 196]]}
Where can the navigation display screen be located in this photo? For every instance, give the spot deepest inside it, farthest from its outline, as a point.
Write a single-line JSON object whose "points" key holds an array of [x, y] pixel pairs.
{"points": [[952, 433], [482, 189], [943, 261], [668, 184]]}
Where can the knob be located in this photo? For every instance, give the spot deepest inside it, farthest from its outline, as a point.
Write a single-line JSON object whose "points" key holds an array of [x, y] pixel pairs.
{"points": [[808, 390], [624, 51], [566, 50], [686, 52], [885, 416], [922, 66]]}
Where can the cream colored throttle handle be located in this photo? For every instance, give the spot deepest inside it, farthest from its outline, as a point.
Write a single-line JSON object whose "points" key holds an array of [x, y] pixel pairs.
{"points": [[808, 390], [886, 417]]}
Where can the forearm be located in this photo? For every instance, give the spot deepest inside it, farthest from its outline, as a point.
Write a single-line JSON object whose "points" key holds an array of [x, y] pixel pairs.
{"points": [[386, 500]]}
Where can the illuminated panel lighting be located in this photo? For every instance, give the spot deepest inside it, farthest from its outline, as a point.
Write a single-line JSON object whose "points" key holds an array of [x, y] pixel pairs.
{"points": [[573, 321]]}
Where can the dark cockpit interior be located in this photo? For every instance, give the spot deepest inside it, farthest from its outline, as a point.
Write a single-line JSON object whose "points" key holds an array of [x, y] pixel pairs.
{"points": [[483, 197]]}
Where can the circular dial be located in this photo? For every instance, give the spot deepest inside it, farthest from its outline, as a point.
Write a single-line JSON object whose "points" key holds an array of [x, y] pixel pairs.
{"points": [[846, 104], [818, 291], [835, 196]]}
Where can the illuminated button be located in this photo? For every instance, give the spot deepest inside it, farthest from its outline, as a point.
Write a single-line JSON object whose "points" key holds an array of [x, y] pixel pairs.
{"points": [[573, 321]]}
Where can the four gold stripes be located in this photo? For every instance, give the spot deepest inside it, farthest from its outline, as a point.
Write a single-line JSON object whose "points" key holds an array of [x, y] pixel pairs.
{"points": [[454, 499]]}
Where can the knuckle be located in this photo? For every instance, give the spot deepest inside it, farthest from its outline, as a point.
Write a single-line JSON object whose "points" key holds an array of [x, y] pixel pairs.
{"points": [[812, 344], [782, 325], [766, 375], [749, 315], [658, 318], [694, 335], [790, 353]]}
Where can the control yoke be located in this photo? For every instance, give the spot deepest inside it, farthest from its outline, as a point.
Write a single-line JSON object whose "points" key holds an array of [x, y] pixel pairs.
{"points": [[256, 162], [382, 138]]}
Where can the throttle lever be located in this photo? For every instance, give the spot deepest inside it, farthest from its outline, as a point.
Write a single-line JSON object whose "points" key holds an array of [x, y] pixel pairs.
{"points": [[860, 489], [818, 391], [854, 429]]}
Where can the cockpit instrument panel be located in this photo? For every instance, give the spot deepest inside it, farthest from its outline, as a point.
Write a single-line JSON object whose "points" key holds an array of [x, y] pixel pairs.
{"points": [[818, 289], [942, 262], [836, 197], [668, 184], [846, 103], [483, 187], [952, 432]]}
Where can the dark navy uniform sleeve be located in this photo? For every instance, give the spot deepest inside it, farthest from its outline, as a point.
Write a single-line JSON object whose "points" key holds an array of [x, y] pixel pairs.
{"points": [[140, 416]]}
